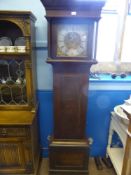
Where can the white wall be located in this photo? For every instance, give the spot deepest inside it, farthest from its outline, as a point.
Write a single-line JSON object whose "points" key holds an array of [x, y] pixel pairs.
{"points": [[37, 9]]}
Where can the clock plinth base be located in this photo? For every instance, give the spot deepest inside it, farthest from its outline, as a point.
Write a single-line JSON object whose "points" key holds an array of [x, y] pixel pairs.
{"points": [[69, 157], [62, 172]]}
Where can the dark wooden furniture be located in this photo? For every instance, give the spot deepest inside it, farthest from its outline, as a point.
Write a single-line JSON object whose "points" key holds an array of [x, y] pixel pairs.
{"points": [[72, 33], [19, 141]]}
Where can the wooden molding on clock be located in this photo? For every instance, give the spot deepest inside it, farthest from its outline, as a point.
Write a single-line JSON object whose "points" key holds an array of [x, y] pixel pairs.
{"points": [[63, 8]]}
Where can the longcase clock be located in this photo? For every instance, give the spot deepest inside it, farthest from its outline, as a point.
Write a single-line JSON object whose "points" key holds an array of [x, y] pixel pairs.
{"points": [[72, 33]]}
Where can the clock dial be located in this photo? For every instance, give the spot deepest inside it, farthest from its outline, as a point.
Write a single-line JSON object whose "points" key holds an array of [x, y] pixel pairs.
{"points": [[72, 40]]}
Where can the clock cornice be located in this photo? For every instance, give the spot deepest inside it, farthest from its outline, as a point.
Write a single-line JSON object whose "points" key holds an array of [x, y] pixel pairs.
{"points": [[63, 8], [73, 4]]}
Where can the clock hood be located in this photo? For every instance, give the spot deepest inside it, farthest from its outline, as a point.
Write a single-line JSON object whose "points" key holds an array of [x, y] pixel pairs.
{"points": [[88, 7], [73, 4]]}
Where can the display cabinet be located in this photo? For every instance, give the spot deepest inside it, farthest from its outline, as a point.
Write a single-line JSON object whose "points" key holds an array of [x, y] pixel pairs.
{"points": [[120, 155], [19, 141]]}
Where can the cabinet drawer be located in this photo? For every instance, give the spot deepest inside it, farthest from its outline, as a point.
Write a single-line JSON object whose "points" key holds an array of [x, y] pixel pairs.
{"points": [[14, 131]]}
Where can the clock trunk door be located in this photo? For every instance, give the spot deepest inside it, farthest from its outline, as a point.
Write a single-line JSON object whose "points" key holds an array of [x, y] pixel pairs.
{"points": [[70, 87]]}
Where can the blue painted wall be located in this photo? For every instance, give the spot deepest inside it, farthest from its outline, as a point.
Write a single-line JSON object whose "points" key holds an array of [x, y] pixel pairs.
{"points": [[45, 114], [100, 105]]}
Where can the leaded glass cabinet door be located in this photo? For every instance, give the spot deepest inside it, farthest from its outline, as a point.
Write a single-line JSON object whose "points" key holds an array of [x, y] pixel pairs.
{"points": [[13, 82], [19, 141]]}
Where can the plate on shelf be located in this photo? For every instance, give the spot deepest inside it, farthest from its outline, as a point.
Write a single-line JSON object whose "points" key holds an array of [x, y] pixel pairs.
{"points": [[128, 102], [20, 41], [120, 113], [5, 41]]}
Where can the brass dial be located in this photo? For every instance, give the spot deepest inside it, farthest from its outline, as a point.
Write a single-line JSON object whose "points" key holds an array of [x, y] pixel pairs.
{"points": [[72, 40]]}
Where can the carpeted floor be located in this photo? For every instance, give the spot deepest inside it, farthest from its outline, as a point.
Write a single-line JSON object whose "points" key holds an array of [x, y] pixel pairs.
{"points": [[92, 168]]}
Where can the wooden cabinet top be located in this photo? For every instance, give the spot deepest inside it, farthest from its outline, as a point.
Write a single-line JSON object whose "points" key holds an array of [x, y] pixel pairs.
{"points": [[28, 14]]}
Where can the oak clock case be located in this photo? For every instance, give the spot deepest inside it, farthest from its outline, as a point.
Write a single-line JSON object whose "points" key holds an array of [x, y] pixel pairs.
{"points": [[71, 51], [19, 143]]}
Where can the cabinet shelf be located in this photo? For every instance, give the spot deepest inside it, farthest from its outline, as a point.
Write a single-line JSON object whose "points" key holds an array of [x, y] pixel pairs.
{"points": [[13, 85], [14, 53]]}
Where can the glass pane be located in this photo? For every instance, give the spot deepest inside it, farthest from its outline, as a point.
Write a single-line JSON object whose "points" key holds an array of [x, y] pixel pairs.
{"points": [[111, 5], [126, 50], [106, 38], [12, 82]]}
